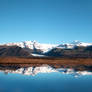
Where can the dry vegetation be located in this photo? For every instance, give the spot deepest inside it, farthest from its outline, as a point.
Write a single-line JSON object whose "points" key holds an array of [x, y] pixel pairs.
{"points": [[37, 60]]}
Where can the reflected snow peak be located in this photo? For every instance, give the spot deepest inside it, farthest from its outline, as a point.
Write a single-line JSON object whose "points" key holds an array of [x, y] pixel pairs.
{"points": [[34, 70]]}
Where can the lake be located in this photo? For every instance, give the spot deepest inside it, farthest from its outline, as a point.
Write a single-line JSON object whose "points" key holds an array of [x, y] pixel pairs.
{"points": [[44, 78]]}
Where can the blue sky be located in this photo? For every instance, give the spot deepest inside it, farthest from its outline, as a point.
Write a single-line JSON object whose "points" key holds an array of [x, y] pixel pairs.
{"points": [[47, 21]]}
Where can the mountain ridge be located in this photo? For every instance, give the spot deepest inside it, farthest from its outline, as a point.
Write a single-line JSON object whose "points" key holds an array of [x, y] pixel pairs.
{"points": [[35, 48], [46, 47]]}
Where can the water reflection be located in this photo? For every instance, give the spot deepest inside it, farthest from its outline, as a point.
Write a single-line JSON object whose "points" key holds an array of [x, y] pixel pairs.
{"points": [[43, 78], [33, 70]]}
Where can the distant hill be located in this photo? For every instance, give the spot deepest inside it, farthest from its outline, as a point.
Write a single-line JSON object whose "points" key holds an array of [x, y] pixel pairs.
{"points": [[77, 51], [13, 51]]}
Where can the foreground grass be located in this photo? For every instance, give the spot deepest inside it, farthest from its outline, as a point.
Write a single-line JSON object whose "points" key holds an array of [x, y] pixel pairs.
{"points": [[61, 61]]}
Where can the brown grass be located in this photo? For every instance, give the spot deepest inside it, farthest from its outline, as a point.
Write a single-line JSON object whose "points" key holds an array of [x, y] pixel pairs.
{"points": [[61, 61]]}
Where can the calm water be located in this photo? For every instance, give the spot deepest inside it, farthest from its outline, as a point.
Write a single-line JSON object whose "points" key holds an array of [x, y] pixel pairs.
{"points": [[44, 81]]}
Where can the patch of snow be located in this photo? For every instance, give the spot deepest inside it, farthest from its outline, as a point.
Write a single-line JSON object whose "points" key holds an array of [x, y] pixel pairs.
{"points": [[38, 55]]}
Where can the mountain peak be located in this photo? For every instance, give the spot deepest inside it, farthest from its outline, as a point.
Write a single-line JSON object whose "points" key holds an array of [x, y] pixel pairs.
{"points": [[76, 42]]}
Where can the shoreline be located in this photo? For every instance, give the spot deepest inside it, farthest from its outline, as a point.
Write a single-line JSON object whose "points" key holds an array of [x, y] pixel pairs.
{"points": [[75, 63]]}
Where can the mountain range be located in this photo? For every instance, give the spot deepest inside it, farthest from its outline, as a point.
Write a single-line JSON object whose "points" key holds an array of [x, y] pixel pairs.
{"points": [[34, 48]]}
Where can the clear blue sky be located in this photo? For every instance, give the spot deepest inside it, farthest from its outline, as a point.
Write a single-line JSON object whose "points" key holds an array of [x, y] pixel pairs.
{"points": [[48, 21]]}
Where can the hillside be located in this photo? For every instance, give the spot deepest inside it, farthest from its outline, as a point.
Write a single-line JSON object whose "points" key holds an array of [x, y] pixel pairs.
{"points": [[77, 52], [6, 51]]}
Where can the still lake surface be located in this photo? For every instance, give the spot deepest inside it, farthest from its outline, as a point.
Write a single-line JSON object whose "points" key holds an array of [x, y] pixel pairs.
{"points": [[44, 80]]}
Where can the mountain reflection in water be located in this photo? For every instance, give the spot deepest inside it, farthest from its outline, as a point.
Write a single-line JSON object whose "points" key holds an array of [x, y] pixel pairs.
{"points": [[44, 78], [33, 70]]}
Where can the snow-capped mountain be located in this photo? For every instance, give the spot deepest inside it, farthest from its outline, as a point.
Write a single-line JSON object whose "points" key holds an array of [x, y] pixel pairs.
{"points": [[36, 47], [73, 44], [78, 43], [32, 71], [33, 45]]}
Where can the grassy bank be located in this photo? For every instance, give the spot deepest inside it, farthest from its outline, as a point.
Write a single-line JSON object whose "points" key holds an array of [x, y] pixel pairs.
{"points": [[37, 60]]}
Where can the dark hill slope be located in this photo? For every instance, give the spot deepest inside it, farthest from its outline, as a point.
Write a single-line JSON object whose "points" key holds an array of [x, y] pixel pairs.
{"points": [[13, 51], [76, 52]]}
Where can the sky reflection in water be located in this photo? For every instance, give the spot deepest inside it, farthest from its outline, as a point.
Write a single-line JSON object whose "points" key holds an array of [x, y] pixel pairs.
{"points": [[45, 82]]}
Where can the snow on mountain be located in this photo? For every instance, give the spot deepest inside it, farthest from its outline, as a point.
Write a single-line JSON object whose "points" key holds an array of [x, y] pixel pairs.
{"points": [[73, 44], [33, 45], [47, 47], [38, 55], [78, 43]]}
